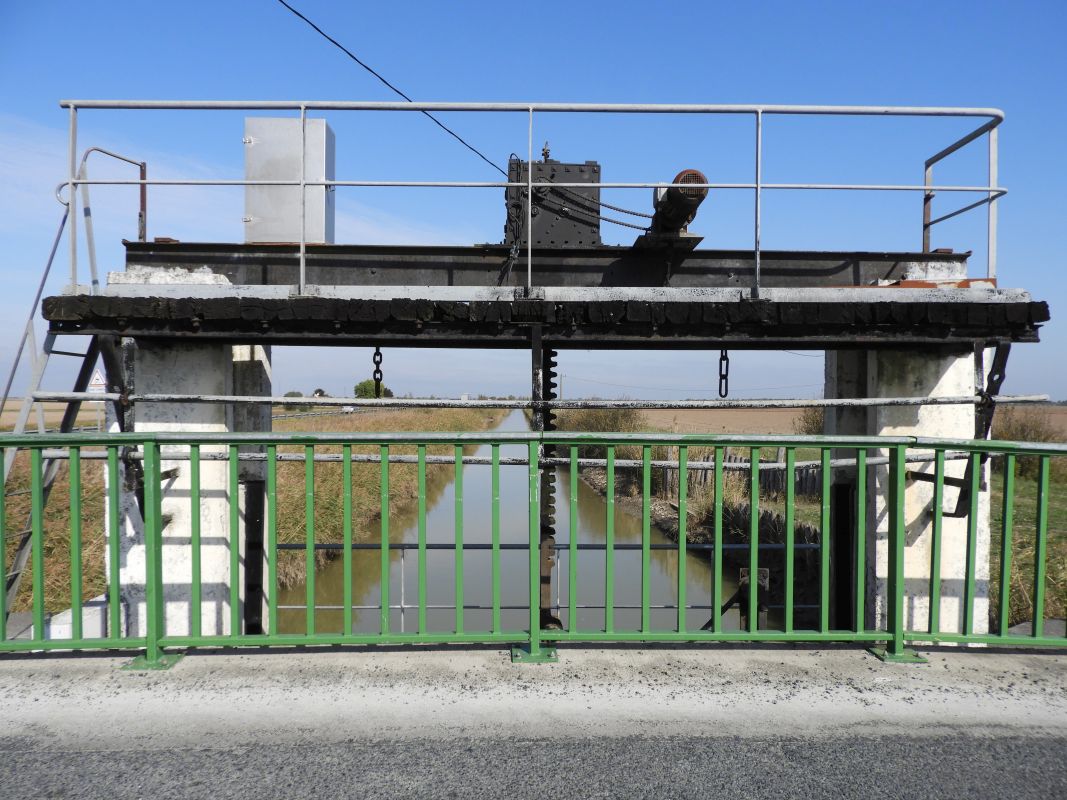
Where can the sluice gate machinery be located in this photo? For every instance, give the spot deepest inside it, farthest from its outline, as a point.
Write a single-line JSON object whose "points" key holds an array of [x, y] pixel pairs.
{"points": [[550, 285]]}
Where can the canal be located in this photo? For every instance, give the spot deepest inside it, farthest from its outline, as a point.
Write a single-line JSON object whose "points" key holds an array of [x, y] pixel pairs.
{"points": [[514, 564]]}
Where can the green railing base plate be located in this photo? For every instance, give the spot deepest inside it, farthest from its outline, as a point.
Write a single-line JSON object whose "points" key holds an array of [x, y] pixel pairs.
{"points": [[546, 655], [142, 664], [903, 657]]}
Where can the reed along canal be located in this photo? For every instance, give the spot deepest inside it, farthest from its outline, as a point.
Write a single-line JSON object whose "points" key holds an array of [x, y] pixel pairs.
{"points": [[514, 563]]}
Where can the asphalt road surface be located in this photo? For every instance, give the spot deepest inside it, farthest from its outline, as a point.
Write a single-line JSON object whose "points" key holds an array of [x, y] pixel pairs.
{"points": [[758, 722]]}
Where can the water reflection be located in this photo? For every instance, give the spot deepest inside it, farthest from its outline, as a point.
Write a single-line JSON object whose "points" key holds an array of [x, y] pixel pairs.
{"points": [[477, 529]]}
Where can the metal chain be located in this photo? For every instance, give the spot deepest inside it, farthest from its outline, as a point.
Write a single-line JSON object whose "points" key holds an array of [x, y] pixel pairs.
{"points": [[377, 372], [724, 373]]}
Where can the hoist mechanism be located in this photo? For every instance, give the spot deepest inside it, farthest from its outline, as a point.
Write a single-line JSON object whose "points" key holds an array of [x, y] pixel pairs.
{"points": [[676, 207], [570, 216]]}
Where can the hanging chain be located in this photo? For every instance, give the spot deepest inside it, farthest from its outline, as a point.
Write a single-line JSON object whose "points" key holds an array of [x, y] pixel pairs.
{"points": [[377, 372], [724, 373]]}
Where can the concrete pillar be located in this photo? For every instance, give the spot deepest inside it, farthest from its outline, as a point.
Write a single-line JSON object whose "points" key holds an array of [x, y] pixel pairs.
{"points": [[168, 366], [910, 372], [929, 372]]}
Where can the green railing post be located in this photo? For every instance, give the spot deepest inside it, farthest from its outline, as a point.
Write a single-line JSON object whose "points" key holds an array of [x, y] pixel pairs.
{"points": [[309, 539], [825, 543], [383, 452], [37, 545], [272, 539], [194, 540], [1008, 518], [114, 589], [155, 611], [935, 542], [609, 544], [534, 652], [458, 486], [1040, 547], [861, 541], [572, 546], [346, 539], [495, 515], [790, 533], [716, 559], [753, 541], [970, 589], [235, 543], [683, 535], [75, 544], [646, 539], [153, 563], [422, 536], [894, 649]]}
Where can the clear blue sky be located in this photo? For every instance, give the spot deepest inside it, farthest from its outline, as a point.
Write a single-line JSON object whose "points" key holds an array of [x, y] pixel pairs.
{"points": [[1010, 56]]}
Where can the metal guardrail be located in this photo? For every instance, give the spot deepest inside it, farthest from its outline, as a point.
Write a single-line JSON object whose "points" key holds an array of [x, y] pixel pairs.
{"points": [[56, 534], [993, 117]]}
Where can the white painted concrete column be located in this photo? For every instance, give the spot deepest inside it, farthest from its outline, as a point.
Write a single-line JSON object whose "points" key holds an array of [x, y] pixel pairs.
{"points": [[931, 372], [169, 366]]}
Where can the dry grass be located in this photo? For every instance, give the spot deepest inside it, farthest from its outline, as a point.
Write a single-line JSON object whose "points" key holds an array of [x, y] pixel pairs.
{"points": [[57, 539], [366, 488], [1024, 539], [366, 478]]}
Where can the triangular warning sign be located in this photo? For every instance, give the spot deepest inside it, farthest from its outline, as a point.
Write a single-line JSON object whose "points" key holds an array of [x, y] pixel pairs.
{"points": [[98, 384]]}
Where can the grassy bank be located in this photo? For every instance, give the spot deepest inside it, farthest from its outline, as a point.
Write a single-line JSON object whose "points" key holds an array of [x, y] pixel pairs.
{"points": [[1024, 546], [1031, 425], [366, 478], [366, 487]]}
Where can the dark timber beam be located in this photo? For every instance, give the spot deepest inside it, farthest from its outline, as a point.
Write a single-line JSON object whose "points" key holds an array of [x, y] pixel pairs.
{"points": [[480, 265], [745, 323]]}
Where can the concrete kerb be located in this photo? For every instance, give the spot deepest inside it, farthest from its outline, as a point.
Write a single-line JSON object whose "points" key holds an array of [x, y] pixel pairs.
{"points": [[236, 697]]}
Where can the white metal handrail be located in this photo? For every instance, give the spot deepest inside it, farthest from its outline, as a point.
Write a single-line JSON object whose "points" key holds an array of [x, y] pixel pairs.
{"points": [[992, 118]]}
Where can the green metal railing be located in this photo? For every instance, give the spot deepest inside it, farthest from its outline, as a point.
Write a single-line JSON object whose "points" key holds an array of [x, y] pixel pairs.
{"points": [[124, 490]]}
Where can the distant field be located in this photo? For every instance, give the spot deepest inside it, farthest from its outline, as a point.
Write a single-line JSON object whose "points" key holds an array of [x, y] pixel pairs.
{"points": [[53, 413], [769, 420], [1057, 415]]}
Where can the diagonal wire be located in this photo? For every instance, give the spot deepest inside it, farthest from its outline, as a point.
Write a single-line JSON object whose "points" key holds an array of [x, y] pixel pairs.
{"points": [[378, 75], [438, 122]]}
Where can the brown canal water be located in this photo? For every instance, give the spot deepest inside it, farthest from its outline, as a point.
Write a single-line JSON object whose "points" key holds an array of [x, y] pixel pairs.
{"points": [[514, 564]]}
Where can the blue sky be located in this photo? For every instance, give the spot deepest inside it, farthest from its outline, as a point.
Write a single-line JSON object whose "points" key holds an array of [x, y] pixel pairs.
{"points": [[902, 53]]}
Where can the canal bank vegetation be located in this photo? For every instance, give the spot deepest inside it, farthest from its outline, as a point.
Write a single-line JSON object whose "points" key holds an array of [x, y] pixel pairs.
{"points": [[1030, 424], [366, 494], [366, 479], [1027, 425]]}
